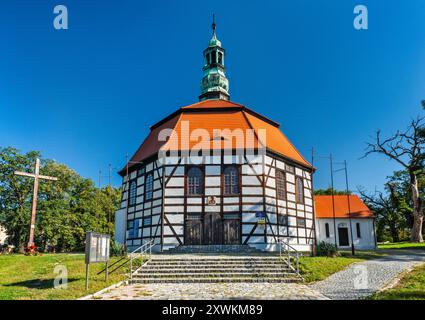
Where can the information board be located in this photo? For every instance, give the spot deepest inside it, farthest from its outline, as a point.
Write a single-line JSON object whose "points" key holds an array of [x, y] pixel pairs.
{"points": [[97, 247]]}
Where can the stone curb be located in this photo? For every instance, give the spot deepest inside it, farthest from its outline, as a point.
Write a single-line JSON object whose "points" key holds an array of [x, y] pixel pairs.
{"points": [[392, 283], [114, 286]]}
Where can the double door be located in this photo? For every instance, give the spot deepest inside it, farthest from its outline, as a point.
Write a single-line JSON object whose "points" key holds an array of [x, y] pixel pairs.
{"points": [[213, 229]]}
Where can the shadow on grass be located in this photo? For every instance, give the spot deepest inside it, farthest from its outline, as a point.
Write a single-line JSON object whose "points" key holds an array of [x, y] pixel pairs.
{"points": [[37, 283]]}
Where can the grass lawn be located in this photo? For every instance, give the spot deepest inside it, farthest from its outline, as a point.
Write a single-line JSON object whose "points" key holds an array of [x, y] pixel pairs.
{"points": [[319, 268], [410, 287], [402, 245], [32, 277]]}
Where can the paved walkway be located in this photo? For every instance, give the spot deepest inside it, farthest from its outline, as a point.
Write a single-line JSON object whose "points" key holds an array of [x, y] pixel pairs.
{"points": [[364, 278], [214, 291], [357, 281]]}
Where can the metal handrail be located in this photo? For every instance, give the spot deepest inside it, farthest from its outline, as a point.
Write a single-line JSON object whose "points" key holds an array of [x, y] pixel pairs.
{"points": [[290, 249], [143, 249]]}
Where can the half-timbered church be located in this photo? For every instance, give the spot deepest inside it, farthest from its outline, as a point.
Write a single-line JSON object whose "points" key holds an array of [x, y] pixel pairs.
{"points": [[216, 173]]}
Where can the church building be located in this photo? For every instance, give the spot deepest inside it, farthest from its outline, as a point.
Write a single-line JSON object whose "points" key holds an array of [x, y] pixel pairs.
{"points": [[216, 173]]}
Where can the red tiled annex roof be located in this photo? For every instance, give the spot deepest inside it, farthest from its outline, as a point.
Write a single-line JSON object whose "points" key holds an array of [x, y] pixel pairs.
{"points": [[217, 115], [323, 205]]}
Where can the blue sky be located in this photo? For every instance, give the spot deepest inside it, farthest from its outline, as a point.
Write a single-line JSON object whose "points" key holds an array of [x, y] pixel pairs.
{"points": [[86, 96]]}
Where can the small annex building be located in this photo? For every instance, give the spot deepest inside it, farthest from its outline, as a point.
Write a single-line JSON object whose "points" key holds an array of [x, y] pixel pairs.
{"points": [[336, 223]]}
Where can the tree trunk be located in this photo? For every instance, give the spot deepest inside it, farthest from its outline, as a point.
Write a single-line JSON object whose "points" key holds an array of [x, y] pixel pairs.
{"points": [[394, 233], [418, 215]]}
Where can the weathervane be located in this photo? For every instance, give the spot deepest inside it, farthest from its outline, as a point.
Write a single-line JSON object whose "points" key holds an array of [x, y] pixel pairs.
{"points": [[213, 23]]}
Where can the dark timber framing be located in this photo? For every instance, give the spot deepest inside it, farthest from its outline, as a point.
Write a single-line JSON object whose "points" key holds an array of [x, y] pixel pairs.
{"points": [[167, 212]]}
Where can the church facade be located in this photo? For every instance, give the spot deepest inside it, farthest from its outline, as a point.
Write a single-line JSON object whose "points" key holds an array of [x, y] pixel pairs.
{"points": [[216, 173]]}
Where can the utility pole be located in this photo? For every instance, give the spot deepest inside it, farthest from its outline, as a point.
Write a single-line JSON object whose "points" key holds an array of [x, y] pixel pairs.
{"points": [[126, 201], [110, 174], [100, 179], [312, 197], [36, 176], [333, 197], [353, 251]]}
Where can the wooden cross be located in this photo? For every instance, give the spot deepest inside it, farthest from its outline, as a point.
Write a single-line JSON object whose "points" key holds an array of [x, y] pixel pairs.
{"points": [[36, 177]]}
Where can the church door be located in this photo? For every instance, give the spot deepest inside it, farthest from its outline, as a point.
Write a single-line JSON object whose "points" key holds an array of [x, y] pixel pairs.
{"points": [[213, 229], [193, 232], [232, 231]]}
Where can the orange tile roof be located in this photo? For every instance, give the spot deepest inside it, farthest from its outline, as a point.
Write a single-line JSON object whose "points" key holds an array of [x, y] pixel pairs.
{"points": [[213, 104], [323, 206], [213, 115], [276, 140]]}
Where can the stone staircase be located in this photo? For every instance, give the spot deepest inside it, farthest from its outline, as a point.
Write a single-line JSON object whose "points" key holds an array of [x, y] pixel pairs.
{"points": [[214, 268]]}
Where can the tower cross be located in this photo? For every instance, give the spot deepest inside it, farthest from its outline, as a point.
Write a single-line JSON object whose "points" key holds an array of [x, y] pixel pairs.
{"points": [[36, 176]]}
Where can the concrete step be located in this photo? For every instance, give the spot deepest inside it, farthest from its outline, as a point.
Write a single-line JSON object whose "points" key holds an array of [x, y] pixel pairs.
{"points": [[215, 258], [213, 275], [291, 279], [216, 263], [214, 248], [209, 268], [145, 271]]}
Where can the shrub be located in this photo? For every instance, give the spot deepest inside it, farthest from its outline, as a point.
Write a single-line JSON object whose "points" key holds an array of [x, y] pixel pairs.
{"points": [[117, 249], [326, 249]]}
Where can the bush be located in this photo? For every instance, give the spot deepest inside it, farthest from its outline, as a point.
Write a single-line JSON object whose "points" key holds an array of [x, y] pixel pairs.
{"points": [[326, 249], [117, 249]]}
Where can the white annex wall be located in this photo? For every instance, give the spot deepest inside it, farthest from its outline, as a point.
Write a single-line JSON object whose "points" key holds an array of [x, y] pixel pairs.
{"points": [[367, 232]]}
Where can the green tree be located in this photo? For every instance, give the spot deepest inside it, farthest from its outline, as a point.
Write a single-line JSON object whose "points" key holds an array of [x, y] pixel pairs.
{"points": [[16, 193], [400, 181], [66, 209], [407, 149], [391, 211], [328, 192]]}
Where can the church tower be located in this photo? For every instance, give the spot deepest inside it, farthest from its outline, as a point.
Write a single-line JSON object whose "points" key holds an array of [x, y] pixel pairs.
{"points": [[214, 84]]}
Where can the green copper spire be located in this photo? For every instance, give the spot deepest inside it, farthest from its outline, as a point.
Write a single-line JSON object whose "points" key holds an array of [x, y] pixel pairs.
{"points": [[214, 84]]}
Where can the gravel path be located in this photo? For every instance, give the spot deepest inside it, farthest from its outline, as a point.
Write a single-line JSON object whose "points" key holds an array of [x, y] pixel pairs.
{"points": [[364, 278]]}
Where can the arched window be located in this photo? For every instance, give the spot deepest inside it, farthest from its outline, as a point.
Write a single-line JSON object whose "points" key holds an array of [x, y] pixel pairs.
{"points": [[149, 187], [231, 180], [281, 184], [132, 193], [359, 233], [195, 181], [327, 230], [220, 58], [300, 190]]}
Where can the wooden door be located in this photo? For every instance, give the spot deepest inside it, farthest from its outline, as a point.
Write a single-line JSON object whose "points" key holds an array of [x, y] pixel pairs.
{"points": [[343, 237], [193, 232], [232, 234], [213, 229]]}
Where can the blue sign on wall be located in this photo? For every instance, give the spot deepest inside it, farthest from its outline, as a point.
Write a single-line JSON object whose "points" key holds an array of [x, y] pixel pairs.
{"points": [[261, 217]]}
